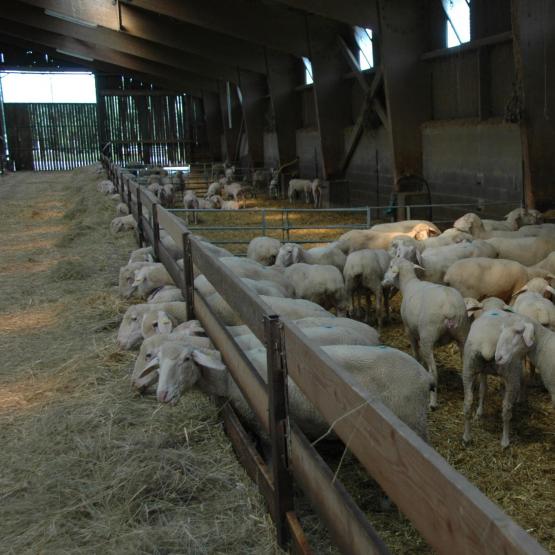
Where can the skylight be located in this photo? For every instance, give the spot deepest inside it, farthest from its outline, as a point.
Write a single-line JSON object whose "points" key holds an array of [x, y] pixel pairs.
{"points": [[308, 79], [363, 39], [458, 21]]}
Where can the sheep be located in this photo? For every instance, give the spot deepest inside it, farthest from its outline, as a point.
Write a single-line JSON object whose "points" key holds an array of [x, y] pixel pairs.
{"points": [[548, 263], [170, 245], [130, 334], [483, 356], [167, 195], [146, 254], [436, 261], [165, 294], [122, 209], [265, 287], [475, 308], [538, 285], [190, 202], [123, 223], [151, 347], [513, 220], [273, 185], [539, 344], [536, 307], [390, 375], [106, 187], [315, 189], [229, 205], [419, 229], [149, 278], [363, 272], [432, 314], [526, 250], [211, 203], [450, 236], [264, 250], [320, 284], [229, 173], [473, 224], [157, 321], [127, 277], [214, 189], [237, 191], [302, 186], [540, 230], [290, 253], [488, 277]]}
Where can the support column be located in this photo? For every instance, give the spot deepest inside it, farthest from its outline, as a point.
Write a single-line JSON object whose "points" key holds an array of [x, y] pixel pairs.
{"points": [[403, 36], [283, 77], [534, 48], [232, 117], [254, 91]]}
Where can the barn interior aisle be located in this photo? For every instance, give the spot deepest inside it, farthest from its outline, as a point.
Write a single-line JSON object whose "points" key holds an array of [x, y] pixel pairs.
{"points": [[86, 467]]}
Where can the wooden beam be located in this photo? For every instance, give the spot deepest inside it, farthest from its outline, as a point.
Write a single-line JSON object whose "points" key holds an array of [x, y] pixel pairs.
{"points": [[185, 81], [534, 47], [258, 22], [121, 42]]}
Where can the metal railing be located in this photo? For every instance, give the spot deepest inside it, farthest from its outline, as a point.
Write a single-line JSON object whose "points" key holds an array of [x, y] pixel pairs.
{"points": [[451, 514]]}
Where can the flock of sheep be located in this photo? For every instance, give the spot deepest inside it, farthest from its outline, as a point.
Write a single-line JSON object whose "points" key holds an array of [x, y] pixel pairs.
{"points": [[482, 284]]}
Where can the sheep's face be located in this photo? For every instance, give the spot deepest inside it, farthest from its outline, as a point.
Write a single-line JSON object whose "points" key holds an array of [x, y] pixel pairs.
{"points": [[408, 252], [129, 333], [126, 279], [474, 308], [177, 372], [469, 223], [538, 285], [288, 254], [391, 277], [156, 322], [147, 354], [514, 342]]}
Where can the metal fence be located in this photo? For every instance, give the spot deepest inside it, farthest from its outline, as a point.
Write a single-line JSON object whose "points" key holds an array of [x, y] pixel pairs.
{"points": [[450, 513]]}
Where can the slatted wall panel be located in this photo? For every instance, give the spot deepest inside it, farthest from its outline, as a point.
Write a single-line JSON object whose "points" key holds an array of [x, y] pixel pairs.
{"points": [[147, 128], [52, 136]]}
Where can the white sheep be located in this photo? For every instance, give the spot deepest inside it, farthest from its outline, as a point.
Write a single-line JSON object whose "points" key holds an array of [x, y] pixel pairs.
{"points": [[540, 347], [145, 254], [238, 191], [475, 308], [526, 250], [320, 284], [314, 190], [122, 209], [482, 356], [264, 250], [214, 189], [432, 314], [123, 223], [302, 187], [363, 272], [130, 333], [165, 294], [190, 202], [419, 229], [290, 253], [149, 278], [358, 239], [167, 195], [489, 277], [390, 375], [157, 321], [537, 307], [106, 187], [127, 276]]}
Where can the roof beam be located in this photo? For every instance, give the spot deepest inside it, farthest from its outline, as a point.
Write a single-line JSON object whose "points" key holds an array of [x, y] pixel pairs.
{"points": [[363, 13], [35, 17], [186, 81], [270, 25]]}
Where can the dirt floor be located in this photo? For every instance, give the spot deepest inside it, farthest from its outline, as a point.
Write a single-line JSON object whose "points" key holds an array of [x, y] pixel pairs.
{"points": [[87, 467]]}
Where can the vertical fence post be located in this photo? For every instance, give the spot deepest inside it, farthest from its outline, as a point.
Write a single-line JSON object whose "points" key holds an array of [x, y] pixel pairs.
{"points": [[368, 217], [263, 221], [287, 223], [278, 416], [407, 212], [129, 199], [156, 232], [121, 192], [189, 278], [140, 226]]}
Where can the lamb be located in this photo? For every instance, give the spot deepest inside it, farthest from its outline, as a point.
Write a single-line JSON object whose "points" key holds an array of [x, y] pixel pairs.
{"points": [[487, 277], [388, 374], [539, 344], [106, 187], [302, 186], [419, 229], [165, 294], [320, 284], [151, 347], [436, 261], [122, 209], [264, 250], [190, 202], [482, 356], [432, 314], [536, 307], [145, 254], [129, 333], [237, 191], [127, 277], [123, 223], [149, 278], [290, 253], [363, 272], [526, 250]]}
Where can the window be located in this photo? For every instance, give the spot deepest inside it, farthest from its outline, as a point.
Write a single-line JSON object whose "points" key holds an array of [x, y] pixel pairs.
{"points": [[458, 21], [363, 39], [32, 86], [308, 79]]}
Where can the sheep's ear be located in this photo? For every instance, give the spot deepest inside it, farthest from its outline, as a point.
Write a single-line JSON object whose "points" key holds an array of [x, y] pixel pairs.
{"points": [[550, 289], [508, 308], [549, 277], [528, 334], [206, 360], [149, 374], [419, 258], [525, 288], [418, 267]]}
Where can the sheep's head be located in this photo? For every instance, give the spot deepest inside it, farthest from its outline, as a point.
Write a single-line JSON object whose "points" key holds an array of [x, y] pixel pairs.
{"points": [[423, 231], [129, 333], [515, 340], [402, 249], [391, 277], [288, 254], [538, 285], [469, 223], [156, 321], [178, 369]]}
